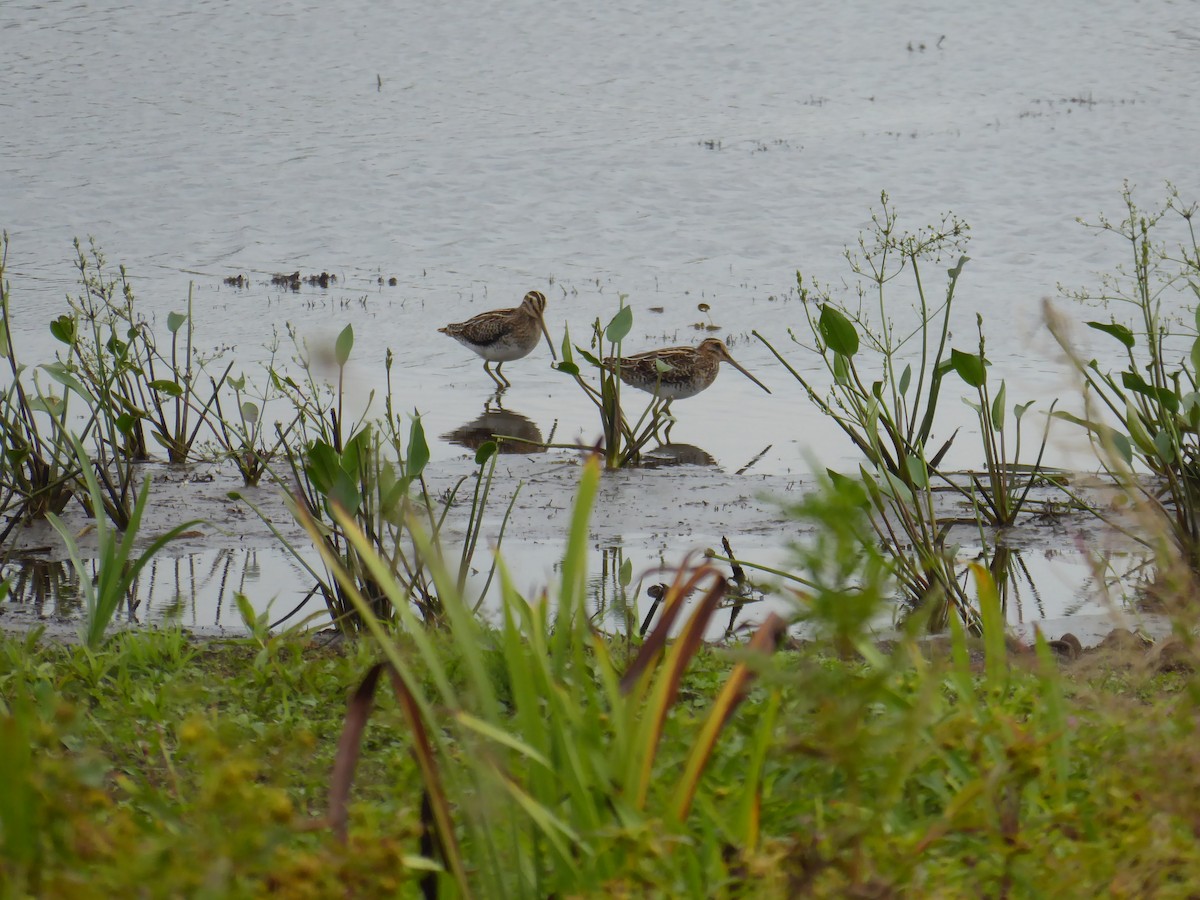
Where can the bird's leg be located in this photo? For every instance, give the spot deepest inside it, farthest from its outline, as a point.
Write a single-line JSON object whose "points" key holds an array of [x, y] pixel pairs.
{"points": [[503, 377], [500, 384], [665, 412]]}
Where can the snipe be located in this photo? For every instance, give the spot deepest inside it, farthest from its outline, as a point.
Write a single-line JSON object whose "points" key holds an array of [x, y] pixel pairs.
{"points": [[676, 373], [502, 335]]}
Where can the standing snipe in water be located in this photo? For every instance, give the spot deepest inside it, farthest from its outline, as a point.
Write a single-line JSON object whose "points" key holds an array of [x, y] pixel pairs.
{"points": [[503, 335], [675, 373]]}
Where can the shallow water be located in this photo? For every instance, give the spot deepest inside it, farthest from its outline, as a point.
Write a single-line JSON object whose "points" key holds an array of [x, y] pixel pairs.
{"points": [[678, 154]]}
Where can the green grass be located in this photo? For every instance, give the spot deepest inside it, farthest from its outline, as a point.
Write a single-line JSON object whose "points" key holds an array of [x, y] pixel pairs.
{"points": [[203, 770]]}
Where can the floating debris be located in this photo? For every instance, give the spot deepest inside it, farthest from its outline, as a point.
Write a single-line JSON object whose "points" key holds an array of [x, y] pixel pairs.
{"points": [[291, 282]]}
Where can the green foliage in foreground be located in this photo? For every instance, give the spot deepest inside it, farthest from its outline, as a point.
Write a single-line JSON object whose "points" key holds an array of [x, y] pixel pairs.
{"points": [[155, 765]]}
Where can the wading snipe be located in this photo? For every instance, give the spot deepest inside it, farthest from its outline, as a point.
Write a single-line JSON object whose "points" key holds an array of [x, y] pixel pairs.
{"points": [[503, 335], [676, 373]]}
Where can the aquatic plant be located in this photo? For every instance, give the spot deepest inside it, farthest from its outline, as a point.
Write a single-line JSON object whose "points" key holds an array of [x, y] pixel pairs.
{"points": [[37, 466], [890, 415], [374, 471], [1153, 396], [244, 436], [128, 386], [622, 442]]}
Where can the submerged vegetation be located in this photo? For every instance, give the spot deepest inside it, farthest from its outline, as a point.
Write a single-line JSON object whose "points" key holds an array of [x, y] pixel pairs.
{"points": [[535, 755]]}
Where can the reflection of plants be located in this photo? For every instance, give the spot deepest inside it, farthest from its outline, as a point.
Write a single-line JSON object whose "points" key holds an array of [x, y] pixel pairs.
{"points": [[38, 582], [516, 797], [623, 442], [613, 599], [1154, 396], [116, 567]]}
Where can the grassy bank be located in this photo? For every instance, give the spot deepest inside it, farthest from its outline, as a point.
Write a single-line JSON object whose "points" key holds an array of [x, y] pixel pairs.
{"points": [[159, 767]]}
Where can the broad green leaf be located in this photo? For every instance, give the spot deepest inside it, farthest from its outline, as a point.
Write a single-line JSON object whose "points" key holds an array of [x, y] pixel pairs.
{"points": [[322, 466], [998, 408], [1165, 447], [662, 367], [5, 350], [239, 383], [1189, 409], [626, 574], [344, 492], [1195, 356], [117, 347], [47, 404], [166, 386], [250, 412], [1137, 430], [485, 452], [620, 325], [850, 488], [905, 379], [917, 471], [1019, 409], [1120, 332], [125, 423], [588, 356], [356, 452], [1165, 397], [837, 331], [567, 358], [569, 367], [418, 449], [345, 343], [969, 366], [895, 488], [1121, 444], [63, 329], [65, 377], [175, 321]]}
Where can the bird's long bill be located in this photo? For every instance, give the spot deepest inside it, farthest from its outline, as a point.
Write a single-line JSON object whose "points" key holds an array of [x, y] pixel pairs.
{"points": [[730, 360], [549, 342]]}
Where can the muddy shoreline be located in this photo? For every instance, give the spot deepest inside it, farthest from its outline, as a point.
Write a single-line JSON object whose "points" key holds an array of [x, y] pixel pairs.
{"points": [[654, 516]]}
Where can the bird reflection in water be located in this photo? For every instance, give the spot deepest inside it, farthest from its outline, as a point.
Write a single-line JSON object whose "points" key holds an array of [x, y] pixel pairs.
{"points": [[513, 432], [665, 455]]}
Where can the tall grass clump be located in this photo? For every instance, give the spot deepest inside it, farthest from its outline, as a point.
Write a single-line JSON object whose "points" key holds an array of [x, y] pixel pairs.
{"points": [[541, 756]]}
